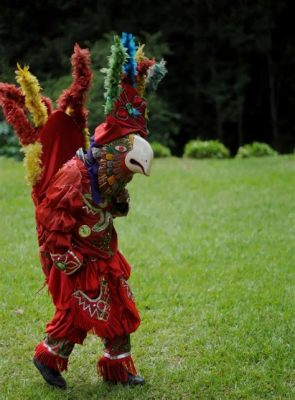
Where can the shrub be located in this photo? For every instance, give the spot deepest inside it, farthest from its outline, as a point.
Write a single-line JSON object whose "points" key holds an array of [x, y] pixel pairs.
{"points": [[160, 150], [205, 149], [256, 149], [9, 146]]}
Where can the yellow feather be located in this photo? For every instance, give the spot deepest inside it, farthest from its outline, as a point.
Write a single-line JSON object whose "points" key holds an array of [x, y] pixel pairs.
{"points": [[139, 55], [69, 111], [31, 89], [32, 162], [140, 84]]}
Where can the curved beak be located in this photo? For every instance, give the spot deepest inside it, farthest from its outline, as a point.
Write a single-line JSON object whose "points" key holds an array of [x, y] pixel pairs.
{"points": [[139, 159]]}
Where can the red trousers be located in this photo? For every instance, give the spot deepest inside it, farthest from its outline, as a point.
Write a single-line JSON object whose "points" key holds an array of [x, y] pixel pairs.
{"points": [[98, 299]]}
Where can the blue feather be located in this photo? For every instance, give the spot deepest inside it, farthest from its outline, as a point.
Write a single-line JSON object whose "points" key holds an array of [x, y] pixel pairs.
{"points": [[130, 66]]}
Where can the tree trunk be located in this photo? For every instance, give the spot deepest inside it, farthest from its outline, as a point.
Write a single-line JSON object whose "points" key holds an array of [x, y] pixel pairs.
{"points": [[272, 100], [218, 110], [240, 128]]}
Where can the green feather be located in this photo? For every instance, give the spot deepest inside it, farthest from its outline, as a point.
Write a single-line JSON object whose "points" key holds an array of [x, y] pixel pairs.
{"points": [[113, 73]]}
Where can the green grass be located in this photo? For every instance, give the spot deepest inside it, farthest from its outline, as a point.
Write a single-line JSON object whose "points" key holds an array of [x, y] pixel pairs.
{"points": [[212, 248]]}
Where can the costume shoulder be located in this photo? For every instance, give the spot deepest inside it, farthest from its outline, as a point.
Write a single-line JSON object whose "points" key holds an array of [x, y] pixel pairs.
{"points": [[62, 198], [65, 188]]}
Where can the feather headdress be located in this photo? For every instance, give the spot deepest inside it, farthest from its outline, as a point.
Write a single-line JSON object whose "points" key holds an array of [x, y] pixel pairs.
{"points": [[128, 64], [154, 76], [113, 73], [130, 74], [31, 90], [143, 65], [72, 100]]}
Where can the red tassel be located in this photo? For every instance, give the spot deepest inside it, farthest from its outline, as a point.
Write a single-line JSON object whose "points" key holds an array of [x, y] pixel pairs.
{"points": [[116, 370], [49, 359]]}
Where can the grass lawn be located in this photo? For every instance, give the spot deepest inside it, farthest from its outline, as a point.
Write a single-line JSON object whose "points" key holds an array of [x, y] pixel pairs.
{"points": [[213, 255]]}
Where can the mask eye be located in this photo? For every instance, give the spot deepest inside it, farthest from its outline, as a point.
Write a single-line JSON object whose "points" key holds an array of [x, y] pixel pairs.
{"points": [[121, 148]]}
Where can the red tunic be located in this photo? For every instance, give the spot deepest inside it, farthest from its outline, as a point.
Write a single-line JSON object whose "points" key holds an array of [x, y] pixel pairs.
{"points": [[95, 297]]}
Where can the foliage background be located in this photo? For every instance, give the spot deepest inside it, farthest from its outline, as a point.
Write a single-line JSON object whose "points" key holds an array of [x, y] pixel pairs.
{"points": [[231, 64]]}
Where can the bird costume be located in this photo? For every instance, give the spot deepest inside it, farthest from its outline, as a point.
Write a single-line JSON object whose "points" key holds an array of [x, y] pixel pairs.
{"points": [[78, 188]]}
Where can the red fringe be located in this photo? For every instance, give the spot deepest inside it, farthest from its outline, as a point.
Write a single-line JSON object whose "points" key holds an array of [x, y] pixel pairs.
{"points": [[50, 360], [115, 370]]}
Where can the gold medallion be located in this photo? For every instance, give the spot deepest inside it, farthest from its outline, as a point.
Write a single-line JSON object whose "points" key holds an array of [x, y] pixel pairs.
{"points": [[84, 231]]}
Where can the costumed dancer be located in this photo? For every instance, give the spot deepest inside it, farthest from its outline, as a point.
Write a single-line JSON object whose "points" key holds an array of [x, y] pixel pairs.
{"points": [[78, 188]]}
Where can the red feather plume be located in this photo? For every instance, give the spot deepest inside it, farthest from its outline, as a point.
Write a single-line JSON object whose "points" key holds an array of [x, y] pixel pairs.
{"points": [[48, 104], [12, 92], [13, 103], [16, 117], [144, 65], [75, 96]]}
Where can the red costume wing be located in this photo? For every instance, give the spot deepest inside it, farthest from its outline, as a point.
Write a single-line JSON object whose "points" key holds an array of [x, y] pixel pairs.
{"points": [[60, 138]]}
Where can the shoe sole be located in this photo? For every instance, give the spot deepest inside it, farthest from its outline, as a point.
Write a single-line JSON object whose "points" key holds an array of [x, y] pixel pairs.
{"points": [[38, 366]]}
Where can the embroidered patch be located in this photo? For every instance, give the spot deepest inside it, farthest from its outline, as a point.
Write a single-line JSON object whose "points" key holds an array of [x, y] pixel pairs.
{"points": [[84, 231], [59, 347], [127, 289], [67, 262], [98, 308], [105, 220], [117, 346]]}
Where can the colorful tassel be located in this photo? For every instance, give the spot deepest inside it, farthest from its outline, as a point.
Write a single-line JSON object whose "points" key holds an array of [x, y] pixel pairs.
{"points": [[116, 370], [31, 89], [49, 359], [154, 76], [73, 99], [113, 73], [32, 162], [130, 65]]}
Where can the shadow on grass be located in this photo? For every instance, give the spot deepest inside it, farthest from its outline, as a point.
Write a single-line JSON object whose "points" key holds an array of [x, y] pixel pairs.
{"points": [[100, 390]]}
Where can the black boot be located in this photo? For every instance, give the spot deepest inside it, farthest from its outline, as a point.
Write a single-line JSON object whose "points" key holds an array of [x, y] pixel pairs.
{"points": [[50, 375], [135, 380]]}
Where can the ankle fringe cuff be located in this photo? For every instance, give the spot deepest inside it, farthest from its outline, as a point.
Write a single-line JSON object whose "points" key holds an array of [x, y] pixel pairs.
{"points": [[43, 354], [116, 370]]}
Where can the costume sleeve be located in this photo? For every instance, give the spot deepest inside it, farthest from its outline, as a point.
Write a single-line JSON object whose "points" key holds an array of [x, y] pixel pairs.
{"points": [[56, 220]]}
